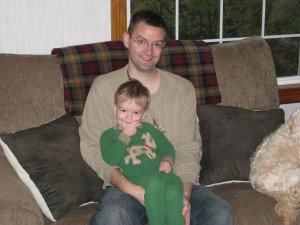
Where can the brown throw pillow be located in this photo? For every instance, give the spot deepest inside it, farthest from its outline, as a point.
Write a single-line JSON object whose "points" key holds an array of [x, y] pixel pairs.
{"points": [[230, 136], [48, 160]]}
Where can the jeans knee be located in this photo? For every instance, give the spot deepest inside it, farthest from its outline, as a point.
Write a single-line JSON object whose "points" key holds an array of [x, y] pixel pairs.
{"points": [[219, 214], [117, 208], [225, 212], [208, 208], [115, 214], [107, 213]]}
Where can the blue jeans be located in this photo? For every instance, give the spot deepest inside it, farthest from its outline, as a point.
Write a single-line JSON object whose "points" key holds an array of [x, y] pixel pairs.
{"points": [[118, 208]]}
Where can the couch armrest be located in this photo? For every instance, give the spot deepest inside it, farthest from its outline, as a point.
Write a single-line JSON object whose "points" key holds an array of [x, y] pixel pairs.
{"points": [[17, 205]]}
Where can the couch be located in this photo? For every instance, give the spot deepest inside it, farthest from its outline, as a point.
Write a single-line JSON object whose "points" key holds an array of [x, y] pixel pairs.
{"points": [[44, 179]]}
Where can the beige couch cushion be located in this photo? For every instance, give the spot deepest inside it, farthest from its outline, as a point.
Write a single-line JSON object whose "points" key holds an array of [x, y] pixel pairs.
{"points": [[31, 94], [17, 206], [78, 216], [31, 91], [250, 207], [246, 74]]}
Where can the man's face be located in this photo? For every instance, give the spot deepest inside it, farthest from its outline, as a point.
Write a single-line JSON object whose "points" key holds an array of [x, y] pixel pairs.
{"points": [[145, 46]]}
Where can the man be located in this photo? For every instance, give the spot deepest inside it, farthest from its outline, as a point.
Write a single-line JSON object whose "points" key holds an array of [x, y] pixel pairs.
{"points": [[172, 109]]}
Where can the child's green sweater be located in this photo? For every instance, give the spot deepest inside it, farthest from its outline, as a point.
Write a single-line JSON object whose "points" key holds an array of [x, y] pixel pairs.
{"points": [[139, 154], [139, 157]]}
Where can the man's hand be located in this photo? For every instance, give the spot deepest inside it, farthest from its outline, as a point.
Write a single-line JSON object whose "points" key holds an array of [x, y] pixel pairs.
{"points": [[186, 210], [121, 182]]}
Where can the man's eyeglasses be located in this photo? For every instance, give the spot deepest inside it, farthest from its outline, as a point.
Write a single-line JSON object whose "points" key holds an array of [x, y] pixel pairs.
{"points": [[142, 43]]}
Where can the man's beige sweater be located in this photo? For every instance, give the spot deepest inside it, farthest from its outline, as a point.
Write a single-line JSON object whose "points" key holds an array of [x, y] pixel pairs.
{"points": [[173, 107]]}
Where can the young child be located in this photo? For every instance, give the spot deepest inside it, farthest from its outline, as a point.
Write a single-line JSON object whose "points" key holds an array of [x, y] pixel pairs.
{"points": [[144, 155]]}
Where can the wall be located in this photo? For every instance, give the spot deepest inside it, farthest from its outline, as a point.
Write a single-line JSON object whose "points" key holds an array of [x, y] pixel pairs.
{"points": [[37, 26], [289, 109]]}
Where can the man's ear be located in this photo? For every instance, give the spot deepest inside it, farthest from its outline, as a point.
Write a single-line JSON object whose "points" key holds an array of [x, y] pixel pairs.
{"points": [[126, 38]]}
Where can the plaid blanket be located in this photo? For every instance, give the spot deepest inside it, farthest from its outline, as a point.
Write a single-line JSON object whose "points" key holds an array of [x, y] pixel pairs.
{"points": [[81, 64]]}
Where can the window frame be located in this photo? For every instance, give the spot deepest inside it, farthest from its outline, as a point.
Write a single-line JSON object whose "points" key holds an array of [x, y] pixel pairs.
{"points": [[289, 87]]}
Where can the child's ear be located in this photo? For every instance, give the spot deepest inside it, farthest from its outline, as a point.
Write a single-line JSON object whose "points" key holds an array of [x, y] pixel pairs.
{"points": [[145, 113], [115, 110]]}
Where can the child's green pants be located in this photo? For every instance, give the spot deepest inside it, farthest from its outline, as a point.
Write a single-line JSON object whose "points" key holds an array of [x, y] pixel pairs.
{"points": [[163, 198]]}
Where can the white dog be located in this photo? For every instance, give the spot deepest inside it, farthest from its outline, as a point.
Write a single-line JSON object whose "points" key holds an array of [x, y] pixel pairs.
{"points": [[275, 169]]}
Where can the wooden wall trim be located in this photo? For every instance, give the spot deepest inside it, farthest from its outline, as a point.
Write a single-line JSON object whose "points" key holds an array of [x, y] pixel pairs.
{"points": [[289, 93], [118, 19]]}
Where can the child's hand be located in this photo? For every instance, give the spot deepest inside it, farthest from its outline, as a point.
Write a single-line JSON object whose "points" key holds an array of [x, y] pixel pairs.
{"points": [[130, 128], [165, 165]]}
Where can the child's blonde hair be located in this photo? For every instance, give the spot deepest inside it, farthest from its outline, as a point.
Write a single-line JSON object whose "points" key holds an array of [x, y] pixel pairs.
{"points": [[133, 90]]}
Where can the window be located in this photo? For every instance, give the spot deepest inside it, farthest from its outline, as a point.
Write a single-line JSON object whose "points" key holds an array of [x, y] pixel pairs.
{"points": [[218, 21]]}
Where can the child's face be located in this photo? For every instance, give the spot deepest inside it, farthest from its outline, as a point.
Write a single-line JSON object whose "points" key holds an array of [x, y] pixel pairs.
{"points": [[129, 112]]}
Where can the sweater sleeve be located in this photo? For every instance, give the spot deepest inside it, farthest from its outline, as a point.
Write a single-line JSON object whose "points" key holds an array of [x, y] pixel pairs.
{"points": [[188, 150], [112, 147], [97, 117]]}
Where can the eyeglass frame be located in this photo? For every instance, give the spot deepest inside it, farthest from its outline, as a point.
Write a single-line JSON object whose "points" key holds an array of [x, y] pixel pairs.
{"points": [[143, 43]]}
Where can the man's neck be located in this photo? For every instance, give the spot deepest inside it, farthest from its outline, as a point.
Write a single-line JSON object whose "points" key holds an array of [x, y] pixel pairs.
{"points": [[151, 80]]}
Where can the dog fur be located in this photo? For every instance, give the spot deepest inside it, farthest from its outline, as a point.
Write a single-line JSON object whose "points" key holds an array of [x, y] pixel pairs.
{"points": [[275, 169]]}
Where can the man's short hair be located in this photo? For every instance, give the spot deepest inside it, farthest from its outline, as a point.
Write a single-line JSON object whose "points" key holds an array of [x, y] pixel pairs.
{"points": [[147, 16]]}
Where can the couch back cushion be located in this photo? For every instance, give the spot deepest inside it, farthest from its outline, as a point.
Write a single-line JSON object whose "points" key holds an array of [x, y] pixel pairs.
{"points": [[246, 74], [81, 64], [31, 91]]}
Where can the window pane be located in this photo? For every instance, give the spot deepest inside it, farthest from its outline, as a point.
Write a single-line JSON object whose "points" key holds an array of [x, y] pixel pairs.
{"points": [[199, 19], [282, 17], [166, 8], [286, 55], [242, 18]]}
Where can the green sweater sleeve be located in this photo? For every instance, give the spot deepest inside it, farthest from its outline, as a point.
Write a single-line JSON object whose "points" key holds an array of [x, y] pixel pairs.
{"points": [[112, 147]]}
